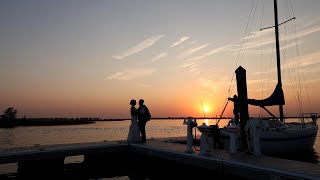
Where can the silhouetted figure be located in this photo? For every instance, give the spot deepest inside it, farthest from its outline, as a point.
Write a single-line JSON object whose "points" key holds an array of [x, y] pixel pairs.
{"points": [[235, 108], [143, 117], [134, 131]]}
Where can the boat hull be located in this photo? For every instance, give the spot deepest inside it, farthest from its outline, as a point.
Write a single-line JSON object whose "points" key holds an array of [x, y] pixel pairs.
{"points": [[289, 140]]}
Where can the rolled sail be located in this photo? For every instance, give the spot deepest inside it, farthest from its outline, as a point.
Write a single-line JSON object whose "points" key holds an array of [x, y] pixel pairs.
{"points": [[276, 98]]}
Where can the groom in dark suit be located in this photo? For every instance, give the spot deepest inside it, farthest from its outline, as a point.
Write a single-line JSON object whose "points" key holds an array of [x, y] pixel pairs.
{"points": [[143, 117]]}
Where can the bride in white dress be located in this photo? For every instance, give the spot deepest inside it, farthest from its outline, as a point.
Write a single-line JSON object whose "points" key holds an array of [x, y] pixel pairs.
{"points": [[134, 131]]}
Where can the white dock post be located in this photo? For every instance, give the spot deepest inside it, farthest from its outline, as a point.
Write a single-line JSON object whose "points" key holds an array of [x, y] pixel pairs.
{"points": [[204, 129], [256, 140], [188, 122], [233, 141]]}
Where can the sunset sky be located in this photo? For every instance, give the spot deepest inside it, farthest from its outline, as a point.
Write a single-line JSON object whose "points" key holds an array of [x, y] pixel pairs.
{"points": [[90, 58]]}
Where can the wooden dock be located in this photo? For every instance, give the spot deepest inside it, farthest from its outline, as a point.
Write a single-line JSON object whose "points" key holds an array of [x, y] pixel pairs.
{"points": [[239, 164], [220, 161], [43, 152]]}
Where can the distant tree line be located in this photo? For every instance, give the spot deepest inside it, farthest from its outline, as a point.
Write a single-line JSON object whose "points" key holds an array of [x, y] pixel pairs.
{"points": [[9, 117], [9, 120]]}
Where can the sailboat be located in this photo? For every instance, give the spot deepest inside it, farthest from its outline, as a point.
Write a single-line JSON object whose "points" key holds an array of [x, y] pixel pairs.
{"points": [[275, 135]]}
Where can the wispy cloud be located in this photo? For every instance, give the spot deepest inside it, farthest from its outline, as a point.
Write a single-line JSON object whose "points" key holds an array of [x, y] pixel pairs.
{"points": [[160, 56], [191, 51], [139, 47], [311, 59], [209, 85], [214, 51], [204, 82], [145, 85], [192, 67], [252, 45], [272, 49], [292, 70], [258, 34], [184, 38], [309, 31], [128, 74], [192, 42], [189, 65], [264, 38]]}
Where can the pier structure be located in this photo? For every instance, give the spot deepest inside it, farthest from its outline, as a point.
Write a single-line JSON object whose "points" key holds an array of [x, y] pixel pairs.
{"points": [[218, 161]]}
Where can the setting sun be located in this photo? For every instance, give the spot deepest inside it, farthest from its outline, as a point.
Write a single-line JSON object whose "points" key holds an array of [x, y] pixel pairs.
{"points": [[206, 109]]}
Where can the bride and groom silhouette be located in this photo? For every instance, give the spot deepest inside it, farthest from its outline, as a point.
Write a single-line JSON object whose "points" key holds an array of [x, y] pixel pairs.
{"points": [[139, 119]]}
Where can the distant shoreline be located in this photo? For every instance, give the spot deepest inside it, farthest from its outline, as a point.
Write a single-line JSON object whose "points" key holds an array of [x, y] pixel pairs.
{"points": [[168, 118], [78, 121], [158, 118], [43, 122]]}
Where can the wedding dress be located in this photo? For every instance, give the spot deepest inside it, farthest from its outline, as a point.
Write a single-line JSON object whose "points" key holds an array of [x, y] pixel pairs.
{"points": [[134, 131]]}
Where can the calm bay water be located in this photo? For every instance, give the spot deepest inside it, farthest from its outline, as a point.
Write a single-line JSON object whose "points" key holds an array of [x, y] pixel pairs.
{"points": [[99, 131], [105, 131]]}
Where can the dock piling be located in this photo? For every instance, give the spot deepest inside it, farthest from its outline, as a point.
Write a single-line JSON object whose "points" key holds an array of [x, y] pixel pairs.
{"points": [[190, 123], [204, 147]]}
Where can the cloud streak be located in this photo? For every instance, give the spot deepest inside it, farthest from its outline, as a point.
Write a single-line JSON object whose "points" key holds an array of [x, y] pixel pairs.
{"points": [[272, 49], [192, 67], [129, 74], [209, 85], [184, 38], [267, 37], [214, 51], [311, 59], [191, 51], [160, 56], [138, 47], [192, 42]]}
